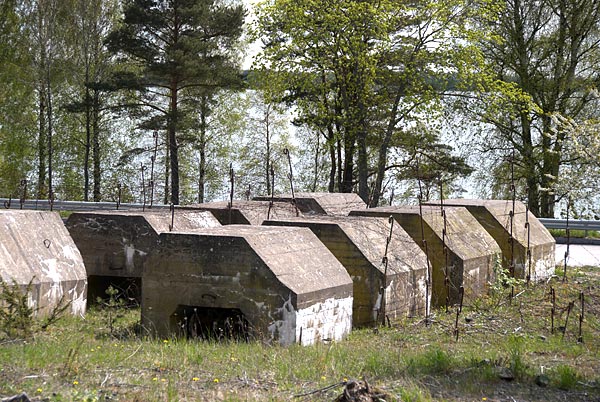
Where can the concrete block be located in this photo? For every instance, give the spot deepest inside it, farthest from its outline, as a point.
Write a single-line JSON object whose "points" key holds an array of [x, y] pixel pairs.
{"points": [[458, 244], [247, 212], [336, 204], [115, 244], [36, 247], [281, 283], [359, 243], [528, 234]]}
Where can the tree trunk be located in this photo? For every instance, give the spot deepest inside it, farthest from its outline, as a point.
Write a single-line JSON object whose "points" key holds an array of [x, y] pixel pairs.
{"points": [[88, 138], [363, 166], [268, 151], [50, 128], [167, 174], [348, 169], [173, 148], [313, 186], [202, 167], [96, 145], [41, 187], [383, 151]]}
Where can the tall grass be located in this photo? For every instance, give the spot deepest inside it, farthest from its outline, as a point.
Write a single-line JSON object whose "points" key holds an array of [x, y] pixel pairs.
{"points": [[93, 358]]}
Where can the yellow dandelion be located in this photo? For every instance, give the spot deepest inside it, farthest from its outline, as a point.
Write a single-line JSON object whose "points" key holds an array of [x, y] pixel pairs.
{"points": [[345, 379], [39, 390], [75, 382], [323, 377], [165, 341], [195, 379], [484, 399], [155, 379], [216, 380]]}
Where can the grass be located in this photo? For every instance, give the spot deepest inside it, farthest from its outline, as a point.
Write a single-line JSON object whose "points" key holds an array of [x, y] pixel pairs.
{"points": [[583, 234], [95, 358]]}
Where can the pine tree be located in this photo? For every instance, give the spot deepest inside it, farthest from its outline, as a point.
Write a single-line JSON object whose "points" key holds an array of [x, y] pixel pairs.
{"points": [[178, 46]]}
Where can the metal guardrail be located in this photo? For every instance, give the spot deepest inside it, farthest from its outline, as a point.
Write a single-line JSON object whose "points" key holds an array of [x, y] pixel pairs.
{"points": [[575, 224], [44, 205]]}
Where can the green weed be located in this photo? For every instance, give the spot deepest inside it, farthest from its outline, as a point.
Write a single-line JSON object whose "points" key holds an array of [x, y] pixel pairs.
{"points": [[566, 377]]}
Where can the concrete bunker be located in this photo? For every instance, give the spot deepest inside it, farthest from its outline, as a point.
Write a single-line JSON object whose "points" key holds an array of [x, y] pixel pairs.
{"points": [[115, 244], [336, 204], [359, 243], [531, 251], [466, 250], [284, 281], [247, 212], [36, 249]]}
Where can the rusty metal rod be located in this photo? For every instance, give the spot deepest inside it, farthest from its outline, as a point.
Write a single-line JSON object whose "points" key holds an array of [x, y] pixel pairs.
{"points": [[118, 195], [528, 227], [461, 293], [231, 191], [153, 161], [143, 168], [569, 308], [23, 193], [445, 251], [272, 191], [568, 230], [582, 301], [425, 247], [291, 178], [172, 224], [384, 260], [553, 309], [51, 199]]}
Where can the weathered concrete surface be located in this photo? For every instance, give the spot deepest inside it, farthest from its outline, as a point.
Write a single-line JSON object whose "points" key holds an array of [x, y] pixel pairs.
{"points": [[359, 243], [339, 204], [527, 231], [115, 244], [284, 281], [246, 212], [35, 247], [471, 253]]}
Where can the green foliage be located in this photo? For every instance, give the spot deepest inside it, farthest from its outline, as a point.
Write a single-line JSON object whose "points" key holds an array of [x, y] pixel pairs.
{"points": [[16, 316], [183, 50], [515, 346], [582, 234], [111, 307], [566, 377], [532, 60], [361, 75], [433, 361]]}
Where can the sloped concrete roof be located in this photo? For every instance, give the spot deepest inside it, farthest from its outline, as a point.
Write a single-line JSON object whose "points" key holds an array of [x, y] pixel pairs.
{"points": [[36, 247], [246, 212], [464, 234], [294, 255], [369, 235], [116, 243], [500, 211], [157, 220], [339, 204]]}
